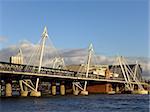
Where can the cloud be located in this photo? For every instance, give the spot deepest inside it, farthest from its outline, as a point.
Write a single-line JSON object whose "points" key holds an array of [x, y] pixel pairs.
{"points": [[71, 56]]}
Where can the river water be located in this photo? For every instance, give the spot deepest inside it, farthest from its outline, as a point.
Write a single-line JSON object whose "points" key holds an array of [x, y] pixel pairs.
{"points": [[70, 103]]}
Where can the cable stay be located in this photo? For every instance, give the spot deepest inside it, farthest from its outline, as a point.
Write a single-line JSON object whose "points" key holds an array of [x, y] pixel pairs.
{"points": [[130, 76]]}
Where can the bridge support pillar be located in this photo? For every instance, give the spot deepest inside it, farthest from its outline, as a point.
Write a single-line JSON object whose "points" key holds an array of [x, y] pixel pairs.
{"points": [[24, 93], [84, 93], [62, 88], [8, 89], [53, 88], [117, 88], [25, 87], [75, 90], [35, 93]]}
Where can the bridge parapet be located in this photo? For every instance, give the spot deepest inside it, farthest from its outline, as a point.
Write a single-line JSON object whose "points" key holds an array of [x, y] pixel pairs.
{"points": [[4, 66]]}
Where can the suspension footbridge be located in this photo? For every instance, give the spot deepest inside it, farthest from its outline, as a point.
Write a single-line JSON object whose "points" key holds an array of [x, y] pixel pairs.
{"points": [[30, 76]]}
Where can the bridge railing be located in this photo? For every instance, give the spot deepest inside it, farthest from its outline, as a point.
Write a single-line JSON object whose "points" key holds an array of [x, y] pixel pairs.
{"points": [[4, 66]]}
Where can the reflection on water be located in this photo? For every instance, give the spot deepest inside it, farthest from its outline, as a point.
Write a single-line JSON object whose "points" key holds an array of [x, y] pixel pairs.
{"points": [[70, 103]]}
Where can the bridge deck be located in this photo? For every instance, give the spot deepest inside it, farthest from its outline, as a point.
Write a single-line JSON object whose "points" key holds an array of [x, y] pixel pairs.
{"points": [[28, 70]]}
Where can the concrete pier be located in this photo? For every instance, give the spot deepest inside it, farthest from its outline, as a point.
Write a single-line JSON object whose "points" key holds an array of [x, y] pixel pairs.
{"points": [[62, 89], [25, 88], [53, 88], [75, 90], [8, 89], [24, 93], [35, 93], [117, 88], [84, 93]]}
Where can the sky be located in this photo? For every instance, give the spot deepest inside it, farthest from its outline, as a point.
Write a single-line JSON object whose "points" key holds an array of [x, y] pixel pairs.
{"points": [[112, 26]]}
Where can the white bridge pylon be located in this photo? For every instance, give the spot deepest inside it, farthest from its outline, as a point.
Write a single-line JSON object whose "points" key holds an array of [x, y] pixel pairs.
{"points": [[45, 54], [130, 75], [77, 85], [28, 83]]}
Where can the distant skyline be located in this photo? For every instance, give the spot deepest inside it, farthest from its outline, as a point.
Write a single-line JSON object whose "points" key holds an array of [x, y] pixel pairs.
{"points": [[113, 26]]}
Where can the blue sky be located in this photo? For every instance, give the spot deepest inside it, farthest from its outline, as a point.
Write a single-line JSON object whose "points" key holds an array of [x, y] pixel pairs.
{"points": [[113, 26]]}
